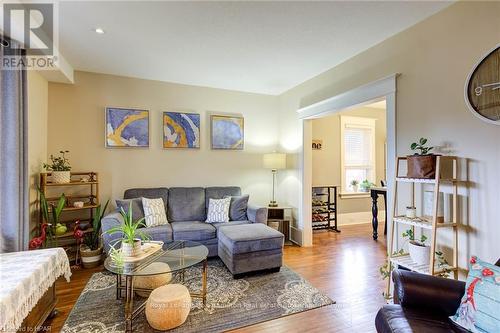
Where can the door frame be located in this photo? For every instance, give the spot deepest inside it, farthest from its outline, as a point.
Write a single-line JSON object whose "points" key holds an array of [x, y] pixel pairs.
{"points": [[359, 96]]}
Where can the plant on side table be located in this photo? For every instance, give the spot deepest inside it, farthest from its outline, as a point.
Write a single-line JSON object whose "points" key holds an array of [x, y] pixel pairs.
{"points": [[91, 249], [422, 164], [131, 240], [59, 167]]}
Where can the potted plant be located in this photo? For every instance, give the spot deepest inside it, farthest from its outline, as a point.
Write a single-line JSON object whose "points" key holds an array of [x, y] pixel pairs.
{"points": [[131, 240], [419, 252], [59, 168], [365, 185], [91, 249], [51, 213], [354, 185], [422, 164]]}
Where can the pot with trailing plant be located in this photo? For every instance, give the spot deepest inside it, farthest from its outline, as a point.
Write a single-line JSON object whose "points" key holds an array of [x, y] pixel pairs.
{"points": [[419, 251], [422, 164], [132, 237], [91, 249], [59, 168]]}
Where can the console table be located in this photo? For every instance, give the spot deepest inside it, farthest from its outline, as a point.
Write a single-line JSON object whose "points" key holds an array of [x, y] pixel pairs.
{"points": [[374, 193]]}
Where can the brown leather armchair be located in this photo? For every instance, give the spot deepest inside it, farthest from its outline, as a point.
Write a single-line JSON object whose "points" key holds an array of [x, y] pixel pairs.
{"points": [[422, 303]]}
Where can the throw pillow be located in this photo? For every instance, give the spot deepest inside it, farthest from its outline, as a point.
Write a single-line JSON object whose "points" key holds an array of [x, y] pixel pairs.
{"points": [[238, 207], [478, 311], [137, 210], [218, 210], [154, 212]]}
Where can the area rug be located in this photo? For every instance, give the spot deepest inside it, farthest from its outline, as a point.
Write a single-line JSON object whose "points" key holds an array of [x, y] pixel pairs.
{"points": [[230, 303]]}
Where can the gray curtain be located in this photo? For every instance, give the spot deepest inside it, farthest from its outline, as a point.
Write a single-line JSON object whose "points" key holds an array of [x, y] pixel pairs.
{"points": [[14, 184]]}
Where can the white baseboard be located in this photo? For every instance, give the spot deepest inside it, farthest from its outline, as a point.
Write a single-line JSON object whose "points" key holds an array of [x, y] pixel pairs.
{"points": [[360, 218]]}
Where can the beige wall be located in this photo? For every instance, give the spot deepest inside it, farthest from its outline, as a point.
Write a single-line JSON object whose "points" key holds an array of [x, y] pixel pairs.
{"points": [[76, 123], [326, 162], [434, 58], [37, 135]]}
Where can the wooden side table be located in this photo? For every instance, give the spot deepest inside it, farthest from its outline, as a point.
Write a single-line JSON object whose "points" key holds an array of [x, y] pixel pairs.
{"points": [[280, 218]]}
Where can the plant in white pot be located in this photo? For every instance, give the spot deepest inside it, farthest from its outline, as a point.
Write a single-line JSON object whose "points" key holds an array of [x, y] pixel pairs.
{"points": [[354, 185], [419, 251], [91, 249], [59, 168], [132, 237]]}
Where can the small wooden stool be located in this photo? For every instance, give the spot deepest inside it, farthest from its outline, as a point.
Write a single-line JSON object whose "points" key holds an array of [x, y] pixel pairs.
{"points": [[168, 306], [153, 281]]}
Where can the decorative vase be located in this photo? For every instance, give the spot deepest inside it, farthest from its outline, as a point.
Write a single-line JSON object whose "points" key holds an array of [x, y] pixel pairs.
{"points": [[61, 177], [419, 254], [411, 212], [421, 166], [354, 188], [131, 250], [90, 258]]}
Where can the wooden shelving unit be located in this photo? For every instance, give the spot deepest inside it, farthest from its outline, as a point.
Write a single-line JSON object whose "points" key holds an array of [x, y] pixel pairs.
{"points": [[432, 223], [324, 208], [86, 191]]}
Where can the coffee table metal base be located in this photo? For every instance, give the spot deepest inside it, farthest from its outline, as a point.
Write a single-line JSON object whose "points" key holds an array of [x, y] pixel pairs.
{"points": [[128, 289]]}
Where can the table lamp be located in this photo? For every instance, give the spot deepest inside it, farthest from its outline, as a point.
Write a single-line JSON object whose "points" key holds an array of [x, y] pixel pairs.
{"points": [[274, 161]]}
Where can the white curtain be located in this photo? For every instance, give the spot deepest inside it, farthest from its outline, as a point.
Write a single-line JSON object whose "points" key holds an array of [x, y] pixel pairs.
{"points": [[14, 209]]}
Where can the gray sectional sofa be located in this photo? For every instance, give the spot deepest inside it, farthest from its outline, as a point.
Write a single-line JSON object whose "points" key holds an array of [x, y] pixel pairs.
{"points": [[186, 212]]}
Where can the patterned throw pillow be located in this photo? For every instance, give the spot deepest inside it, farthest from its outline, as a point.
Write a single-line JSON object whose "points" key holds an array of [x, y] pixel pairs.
{"points": [[479, 309], [218, 210], [154, 212]]}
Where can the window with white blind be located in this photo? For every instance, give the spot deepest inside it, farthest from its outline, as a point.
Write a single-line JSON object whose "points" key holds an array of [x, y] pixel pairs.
{"points": [[357, 151]]}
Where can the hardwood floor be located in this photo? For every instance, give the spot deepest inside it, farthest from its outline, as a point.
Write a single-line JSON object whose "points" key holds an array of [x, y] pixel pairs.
{"points": [[343, 265]]}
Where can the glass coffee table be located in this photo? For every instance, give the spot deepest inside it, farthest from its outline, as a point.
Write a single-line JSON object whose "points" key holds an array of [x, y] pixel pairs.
{"points": [[178, 255]]}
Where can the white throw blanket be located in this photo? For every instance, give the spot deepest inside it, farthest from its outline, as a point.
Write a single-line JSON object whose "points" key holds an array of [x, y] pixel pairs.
{"points": [[24, 279]]}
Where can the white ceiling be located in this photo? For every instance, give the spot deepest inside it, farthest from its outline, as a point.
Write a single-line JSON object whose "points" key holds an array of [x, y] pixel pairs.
{"points": [[262, 47]]}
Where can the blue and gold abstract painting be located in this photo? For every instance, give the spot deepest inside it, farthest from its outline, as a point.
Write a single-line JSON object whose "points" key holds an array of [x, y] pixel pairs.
{"points": [[127, 127], [227, 132], [181, 130]]}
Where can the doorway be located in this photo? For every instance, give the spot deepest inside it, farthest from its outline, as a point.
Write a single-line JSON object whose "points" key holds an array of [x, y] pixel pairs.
{"points": [[375, 91], [348, 162]]}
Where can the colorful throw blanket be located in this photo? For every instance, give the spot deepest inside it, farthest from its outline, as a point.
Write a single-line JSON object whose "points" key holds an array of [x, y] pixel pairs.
{"points": [[24, 279]]}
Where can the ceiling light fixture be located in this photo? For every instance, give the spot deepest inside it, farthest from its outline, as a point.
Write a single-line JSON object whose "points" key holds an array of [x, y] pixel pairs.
{"points": [[100, 31]]}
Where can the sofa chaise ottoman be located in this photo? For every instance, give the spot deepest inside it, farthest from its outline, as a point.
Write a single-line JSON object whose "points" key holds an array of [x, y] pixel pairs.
{"points": [[186, 210], [250, 247]]}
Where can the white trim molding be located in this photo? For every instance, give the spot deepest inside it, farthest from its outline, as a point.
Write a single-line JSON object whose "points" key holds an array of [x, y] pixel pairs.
{"points": [[384, 88]]}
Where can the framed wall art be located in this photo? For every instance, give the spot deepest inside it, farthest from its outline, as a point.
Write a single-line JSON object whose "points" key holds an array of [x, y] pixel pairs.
{"points": [[227, 132], [181, 130], [127, 127]]}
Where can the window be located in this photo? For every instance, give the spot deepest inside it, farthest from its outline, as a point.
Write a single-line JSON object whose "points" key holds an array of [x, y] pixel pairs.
{"points": [[357, 151]]}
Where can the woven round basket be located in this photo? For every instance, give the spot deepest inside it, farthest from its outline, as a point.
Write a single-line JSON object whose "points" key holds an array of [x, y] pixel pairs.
{"points": [[61, 177]]}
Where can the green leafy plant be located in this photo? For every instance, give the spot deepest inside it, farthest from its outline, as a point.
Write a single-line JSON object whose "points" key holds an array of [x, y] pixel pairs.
{"points": [[58, 163], [411, 237], [420, 148], [51, 212], [354, 182], [366, 185], [129, 227], [442, 263], [91, 239], [116, 255]]}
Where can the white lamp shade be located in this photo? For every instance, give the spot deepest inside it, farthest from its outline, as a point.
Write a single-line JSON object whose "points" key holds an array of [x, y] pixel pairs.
{"points": [[274, 161]]}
